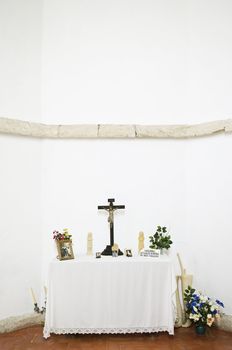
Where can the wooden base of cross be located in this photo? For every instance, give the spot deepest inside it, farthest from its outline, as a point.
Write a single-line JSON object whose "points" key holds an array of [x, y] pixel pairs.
{"points": [[108, 251], [111, 208]]}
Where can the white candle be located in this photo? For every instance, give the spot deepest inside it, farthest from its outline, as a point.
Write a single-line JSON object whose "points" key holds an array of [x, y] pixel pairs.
{"points": [[45, 291], [33, 296]]}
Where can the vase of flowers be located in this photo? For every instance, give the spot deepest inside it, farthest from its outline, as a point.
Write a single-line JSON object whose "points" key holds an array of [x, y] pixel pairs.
{"points": [[65, 236], [161, 239], [201, 309]]}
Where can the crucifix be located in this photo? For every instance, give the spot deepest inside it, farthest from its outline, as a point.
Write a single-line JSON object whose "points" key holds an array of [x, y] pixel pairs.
{"points": [[111, 208]]}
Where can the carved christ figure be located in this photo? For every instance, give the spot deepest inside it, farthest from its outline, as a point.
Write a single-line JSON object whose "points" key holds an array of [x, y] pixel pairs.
{"points": [[111, 215]]}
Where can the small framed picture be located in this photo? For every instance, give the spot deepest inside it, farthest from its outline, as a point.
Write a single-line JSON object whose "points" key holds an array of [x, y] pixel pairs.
{"points": [[128, 253], [98, 255], [65, 251], [115, 253]]}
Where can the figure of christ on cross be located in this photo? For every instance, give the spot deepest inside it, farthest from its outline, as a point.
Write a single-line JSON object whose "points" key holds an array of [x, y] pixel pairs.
{"points": [[111, 208]]}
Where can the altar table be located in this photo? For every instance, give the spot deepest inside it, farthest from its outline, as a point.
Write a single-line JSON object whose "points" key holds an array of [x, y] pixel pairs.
{"points": [[110, 295]]}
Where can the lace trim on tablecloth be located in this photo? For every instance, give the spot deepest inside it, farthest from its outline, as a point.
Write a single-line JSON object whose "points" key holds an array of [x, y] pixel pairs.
{"points": [[47, 332]]}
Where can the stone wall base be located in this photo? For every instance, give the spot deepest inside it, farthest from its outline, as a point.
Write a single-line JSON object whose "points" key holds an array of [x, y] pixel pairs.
{"points": [[226, 323], [18, 322]]}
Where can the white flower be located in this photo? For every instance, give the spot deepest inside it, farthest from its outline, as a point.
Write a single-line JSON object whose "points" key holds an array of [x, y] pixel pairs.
{"points": [[203, 298], [195, 317], [210, 320], [213, 307]]}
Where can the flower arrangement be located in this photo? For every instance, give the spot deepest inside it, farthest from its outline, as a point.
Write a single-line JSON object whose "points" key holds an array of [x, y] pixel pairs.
{"points": [[61, 236], [200, 308], [160, 240]]}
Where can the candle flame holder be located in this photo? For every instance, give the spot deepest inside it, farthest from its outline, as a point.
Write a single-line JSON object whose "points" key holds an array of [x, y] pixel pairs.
{"points": [[38, 310]]}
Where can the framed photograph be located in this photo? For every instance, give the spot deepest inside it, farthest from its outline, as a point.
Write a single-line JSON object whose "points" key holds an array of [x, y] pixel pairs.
{"points": [[98, 255], [128, 253], [64, 248]]}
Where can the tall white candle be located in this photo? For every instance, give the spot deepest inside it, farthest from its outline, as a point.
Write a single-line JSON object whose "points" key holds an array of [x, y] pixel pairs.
{"points": [[33, 296]]}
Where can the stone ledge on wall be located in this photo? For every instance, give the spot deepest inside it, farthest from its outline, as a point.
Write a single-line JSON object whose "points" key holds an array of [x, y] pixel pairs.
{"points": [[39, 130]]}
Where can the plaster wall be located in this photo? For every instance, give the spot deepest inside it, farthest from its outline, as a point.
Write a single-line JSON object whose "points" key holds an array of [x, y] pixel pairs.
{"points": [[145, 62], [20, 158]]}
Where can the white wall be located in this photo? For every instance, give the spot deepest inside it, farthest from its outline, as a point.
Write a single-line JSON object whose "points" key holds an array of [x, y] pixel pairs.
{"points": [[108, 61], [20, 158], [136, 61], [145, 62]]}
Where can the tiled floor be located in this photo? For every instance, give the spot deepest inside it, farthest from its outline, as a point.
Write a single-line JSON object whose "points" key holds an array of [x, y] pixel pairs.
{"points": [[184, 339]]}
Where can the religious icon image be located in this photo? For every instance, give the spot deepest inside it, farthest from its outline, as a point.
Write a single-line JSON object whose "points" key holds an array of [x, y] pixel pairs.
{"points": [[111, 209], [115, 248], [65, 251], [128, 253]]}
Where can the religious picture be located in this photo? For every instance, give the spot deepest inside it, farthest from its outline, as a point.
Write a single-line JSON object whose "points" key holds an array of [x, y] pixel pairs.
{"points": [[128, 253], [65, 251]]}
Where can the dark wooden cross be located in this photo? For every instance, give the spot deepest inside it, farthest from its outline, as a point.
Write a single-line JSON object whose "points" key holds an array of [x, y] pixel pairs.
{"points": [[111, 208]]}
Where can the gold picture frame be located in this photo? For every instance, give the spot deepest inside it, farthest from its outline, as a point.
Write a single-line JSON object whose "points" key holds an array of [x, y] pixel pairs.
{"points": [[65, 250], [128, 253]]}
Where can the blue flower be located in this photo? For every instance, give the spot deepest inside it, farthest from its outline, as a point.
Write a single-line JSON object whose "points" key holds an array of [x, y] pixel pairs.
{"points": [[219, 303], [196, 298]]}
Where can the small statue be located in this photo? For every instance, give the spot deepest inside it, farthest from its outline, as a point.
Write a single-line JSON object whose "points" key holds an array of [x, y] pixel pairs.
{"points": [[90, 244], [140, 241], [115, 248]]}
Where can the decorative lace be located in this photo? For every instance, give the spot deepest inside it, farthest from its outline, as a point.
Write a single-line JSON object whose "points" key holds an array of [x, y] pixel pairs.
{"points": [[47, 331]]}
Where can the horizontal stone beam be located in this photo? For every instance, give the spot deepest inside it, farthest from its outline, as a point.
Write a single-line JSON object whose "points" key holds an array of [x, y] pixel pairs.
{"points": [[88, 131]]}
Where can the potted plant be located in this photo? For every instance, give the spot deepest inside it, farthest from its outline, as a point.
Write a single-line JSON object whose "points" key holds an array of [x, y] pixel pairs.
{"points": [[161, 239], [201, 309]]}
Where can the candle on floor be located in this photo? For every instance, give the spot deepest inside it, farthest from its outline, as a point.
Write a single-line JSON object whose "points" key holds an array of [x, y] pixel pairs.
{"points": [[33, 296]]}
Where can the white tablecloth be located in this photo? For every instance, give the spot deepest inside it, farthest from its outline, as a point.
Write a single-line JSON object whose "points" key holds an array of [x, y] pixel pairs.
{"points": [[110, 295]]}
